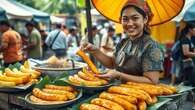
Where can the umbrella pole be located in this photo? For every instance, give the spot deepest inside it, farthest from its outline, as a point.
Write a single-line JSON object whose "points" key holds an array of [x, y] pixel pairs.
{"points": [[89, 24]]}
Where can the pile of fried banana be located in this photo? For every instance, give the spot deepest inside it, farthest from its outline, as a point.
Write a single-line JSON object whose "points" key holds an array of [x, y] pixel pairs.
{"points": [[86, 78], [53, 94], [18, 77], [129, 96]]}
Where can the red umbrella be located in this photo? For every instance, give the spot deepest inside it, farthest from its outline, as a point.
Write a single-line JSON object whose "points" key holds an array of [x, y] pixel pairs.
{"points": [[163, 10]]}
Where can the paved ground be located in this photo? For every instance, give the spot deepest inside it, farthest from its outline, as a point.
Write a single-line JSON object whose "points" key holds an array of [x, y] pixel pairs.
{"points": [[187, 106]]}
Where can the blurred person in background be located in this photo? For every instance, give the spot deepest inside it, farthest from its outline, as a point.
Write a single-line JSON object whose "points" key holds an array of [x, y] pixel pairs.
{"points": [[188, 52], [107, 43], [43, 38], [64, 29], [96, 40], [11, 44], [72, 38], [34, 46], [57, 42], [95, 35]]}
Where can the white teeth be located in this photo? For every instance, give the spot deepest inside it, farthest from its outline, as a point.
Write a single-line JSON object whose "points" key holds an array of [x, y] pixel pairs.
{"points": [[130, 29]]}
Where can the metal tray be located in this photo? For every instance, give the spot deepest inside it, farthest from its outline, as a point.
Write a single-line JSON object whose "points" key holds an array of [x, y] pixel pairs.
{"points": [[51, 106], [16, 88]]}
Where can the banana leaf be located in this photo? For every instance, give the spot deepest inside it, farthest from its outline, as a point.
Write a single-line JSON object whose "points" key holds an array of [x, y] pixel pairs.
{"points": [[16, 65], [180, 90], [160, 103], [156, 106], [41, 84]]}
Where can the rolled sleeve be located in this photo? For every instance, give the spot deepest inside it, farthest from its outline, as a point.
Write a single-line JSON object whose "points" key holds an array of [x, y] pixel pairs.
{"points": [[153, 59]]}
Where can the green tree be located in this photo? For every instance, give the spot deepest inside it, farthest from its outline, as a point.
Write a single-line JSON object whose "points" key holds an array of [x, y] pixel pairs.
{"points": [[52, 6]]}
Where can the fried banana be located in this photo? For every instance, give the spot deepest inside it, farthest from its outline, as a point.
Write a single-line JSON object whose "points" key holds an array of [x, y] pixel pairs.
{"points": [[87, 76], [125, 104], [86, 106], [46, 96], [18, 80], [55, 87], [154, 99], [88, 61], [172, 88], [148, 90], [69, 94], [40, 101], [7, 84], [130, 99], [148, 99], [107, 104], [34, 73], [142, 105], [88, 83], [154, 89], [74, 80], [15, 73], [166, 91], [126, 91]]}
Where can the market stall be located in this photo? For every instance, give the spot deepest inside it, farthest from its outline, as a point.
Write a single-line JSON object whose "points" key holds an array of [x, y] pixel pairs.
{"points": [[81, 89]]}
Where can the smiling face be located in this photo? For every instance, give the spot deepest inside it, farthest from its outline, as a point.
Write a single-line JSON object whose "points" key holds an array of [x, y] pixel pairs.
{"points": [[133, 22]]}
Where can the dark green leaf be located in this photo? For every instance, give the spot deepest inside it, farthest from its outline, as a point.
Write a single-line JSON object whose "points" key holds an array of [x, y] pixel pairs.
{"points": [[43, 82]]}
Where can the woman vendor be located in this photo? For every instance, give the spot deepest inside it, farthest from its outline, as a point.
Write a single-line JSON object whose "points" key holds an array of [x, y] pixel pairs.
{"points": [[138, 57]]}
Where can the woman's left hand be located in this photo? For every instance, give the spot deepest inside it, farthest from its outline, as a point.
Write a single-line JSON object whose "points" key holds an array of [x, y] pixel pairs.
{"points": [[112, 74]]}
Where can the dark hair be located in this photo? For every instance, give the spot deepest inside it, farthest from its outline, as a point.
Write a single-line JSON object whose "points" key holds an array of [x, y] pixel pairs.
{"points": [[94, 28], [139, 10], [58, 25], [64, 26], [186, 29], [30, 23], [71, 30], [111, 29], [6, 23]]}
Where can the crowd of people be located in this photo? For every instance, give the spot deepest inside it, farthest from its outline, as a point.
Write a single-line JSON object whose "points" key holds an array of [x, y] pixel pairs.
{"points": [[39, 44]]}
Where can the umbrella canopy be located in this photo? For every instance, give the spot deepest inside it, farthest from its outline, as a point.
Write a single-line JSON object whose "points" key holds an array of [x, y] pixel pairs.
{"points": [[163, 10]]}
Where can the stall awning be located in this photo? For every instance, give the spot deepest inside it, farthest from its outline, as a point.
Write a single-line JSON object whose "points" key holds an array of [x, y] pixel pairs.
{"points": [[13, 11], [37, 14], [2, 14]]}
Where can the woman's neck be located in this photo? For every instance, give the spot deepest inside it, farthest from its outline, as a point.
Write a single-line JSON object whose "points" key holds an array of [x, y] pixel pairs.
{"points": [[188, 35], [136, 37]]}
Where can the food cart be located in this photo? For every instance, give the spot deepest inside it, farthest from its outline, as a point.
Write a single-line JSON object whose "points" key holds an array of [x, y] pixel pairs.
{"points": [[19, 96]]}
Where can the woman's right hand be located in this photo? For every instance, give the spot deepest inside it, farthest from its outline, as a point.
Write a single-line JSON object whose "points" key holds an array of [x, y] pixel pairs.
{"points": [[86, 46]]}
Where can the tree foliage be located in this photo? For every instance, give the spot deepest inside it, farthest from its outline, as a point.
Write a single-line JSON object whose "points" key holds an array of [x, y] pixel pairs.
{"points": [[52, 6]]}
